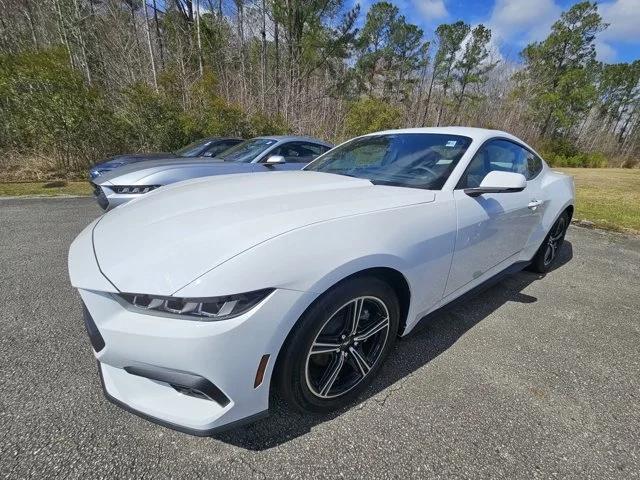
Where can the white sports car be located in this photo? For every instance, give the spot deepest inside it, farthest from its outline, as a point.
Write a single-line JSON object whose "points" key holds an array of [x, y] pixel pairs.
{"points": [[202, 297]]}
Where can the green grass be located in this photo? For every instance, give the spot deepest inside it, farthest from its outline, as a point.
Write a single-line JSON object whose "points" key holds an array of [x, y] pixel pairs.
{"points": [[38, 188], [608, 197]]}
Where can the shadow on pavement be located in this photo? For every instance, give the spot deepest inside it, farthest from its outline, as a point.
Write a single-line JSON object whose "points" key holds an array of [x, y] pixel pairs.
{"points": [[432, 336]]}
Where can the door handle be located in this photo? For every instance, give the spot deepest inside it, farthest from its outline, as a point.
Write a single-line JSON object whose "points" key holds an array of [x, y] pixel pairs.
{"points": [[533, 204]]}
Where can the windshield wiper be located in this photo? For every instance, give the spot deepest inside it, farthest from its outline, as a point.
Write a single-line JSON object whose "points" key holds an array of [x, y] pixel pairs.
{"points": [[391, 183]]}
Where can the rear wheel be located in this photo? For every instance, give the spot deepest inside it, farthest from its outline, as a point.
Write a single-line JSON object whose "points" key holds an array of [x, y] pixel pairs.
{"points": [[339, 345], [548, 251]]}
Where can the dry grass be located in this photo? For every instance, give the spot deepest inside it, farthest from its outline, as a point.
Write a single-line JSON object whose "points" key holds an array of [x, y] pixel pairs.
{"points": [[608, 197], [38, 188]]}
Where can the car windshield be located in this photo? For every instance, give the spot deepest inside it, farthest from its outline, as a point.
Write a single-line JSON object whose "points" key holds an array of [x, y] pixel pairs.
{"points": [[416, 160], [246, 151], [193, 149]]}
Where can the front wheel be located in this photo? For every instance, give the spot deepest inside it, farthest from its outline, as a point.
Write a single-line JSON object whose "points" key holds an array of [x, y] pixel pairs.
{"points": [[548, 251], [339, 345]]}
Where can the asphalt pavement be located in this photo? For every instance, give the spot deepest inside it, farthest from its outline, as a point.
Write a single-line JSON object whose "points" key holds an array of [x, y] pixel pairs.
{"points": [[537, 377]]}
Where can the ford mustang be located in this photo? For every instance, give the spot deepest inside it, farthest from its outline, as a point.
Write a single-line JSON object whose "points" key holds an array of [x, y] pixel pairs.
{"points": [[204, 148], [260, 154], [202, 298]]}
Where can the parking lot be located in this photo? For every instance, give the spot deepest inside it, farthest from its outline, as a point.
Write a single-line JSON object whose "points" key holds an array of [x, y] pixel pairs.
{"points": [[537, 377]]}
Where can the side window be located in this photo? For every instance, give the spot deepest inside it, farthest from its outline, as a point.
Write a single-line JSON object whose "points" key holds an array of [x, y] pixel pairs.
{"points": [[534, 166], [315, 149], [281, 150], [501, 156], [219, 147], [299, 152]]}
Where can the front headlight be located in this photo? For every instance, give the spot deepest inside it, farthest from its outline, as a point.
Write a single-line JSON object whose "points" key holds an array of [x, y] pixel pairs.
{"points": [[133, 188], [206, 309]]}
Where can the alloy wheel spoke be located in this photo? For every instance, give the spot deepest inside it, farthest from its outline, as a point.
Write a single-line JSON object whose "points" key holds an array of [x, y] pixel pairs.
{"points": [[356, 311], [331, 375], [360, 361], [378, 327], [551, 251], [324, 347]]}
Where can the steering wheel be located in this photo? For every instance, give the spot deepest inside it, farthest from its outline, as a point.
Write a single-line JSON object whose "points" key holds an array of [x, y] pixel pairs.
{"points": [[416, 170]]}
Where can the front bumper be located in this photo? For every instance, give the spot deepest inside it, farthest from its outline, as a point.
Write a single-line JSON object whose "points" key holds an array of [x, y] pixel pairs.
{"points": [[223, 354]]}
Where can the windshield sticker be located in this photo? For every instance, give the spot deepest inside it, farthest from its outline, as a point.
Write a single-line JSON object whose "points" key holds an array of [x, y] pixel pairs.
{"points": [[451, 143]]}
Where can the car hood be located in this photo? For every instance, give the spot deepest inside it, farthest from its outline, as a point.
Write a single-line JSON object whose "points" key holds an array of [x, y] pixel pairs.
{"points": [[131, 174], [164, 240], [127, 159]]}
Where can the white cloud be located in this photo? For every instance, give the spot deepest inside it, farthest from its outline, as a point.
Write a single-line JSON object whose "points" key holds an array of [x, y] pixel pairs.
{"points": [[605, 52], [431, 9], [492, 48], [623, 17], [524, 20]]}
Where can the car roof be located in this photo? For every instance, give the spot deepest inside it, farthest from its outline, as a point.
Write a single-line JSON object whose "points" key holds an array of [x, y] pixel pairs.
{"points": [[209, 139], [478, 135], [288, 138], [474, 133]]}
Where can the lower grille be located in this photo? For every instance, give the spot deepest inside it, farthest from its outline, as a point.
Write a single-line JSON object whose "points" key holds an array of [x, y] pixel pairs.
{"points": [[97, 342], [184, 382]]}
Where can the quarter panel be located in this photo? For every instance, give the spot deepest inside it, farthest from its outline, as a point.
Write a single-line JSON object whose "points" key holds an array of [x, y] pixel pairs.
{"points": [[557, 190]]}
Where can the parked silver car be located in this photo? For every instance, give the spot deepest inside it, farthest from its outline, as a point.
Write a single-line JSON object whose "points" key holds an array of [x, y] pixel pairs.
{"points": [[260, 154], [205, 147]]}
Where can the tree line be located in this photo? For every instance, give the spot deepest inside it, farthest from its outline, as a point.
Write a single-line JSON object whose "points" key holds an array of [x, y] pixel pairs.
{"points": [[84, 79]]}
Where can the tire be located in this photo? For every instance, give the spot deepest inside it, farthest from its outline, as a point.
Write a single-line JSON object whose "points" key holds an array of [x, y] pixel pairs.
{"points": [[303, 375], [547, 254]]}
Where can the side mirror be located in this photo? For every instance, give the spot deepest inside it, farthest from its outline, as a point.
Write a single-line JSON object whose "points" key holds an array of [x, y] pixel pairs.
{"points": [[499, 182], [275, 160]]}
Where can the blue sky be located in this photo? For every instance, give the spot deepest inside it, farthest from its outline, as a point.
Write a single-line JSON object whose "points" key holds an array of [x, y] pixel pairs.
{"points": [[515, 23]]}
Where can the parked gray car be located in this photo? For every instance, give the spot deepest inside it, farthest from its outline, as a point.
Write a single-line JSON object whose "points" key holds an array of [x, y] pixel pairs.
{"points": [[260, 154]]}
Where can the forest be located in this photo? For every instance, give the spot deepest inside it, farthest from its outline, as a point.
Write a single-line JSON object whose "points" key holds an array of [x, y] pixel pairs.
{"points": [[81, 80]]}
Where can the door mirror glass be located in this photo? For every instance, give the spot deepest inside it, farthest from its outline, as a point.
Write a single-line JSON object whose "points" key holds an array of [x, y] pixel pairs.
{"points": [[499, 182], [275, 160]]}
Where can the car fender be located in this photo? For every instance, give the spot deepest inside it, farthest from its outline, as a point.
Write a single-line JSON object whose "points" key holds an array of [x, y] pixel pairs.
{"points": [[417, 241]]}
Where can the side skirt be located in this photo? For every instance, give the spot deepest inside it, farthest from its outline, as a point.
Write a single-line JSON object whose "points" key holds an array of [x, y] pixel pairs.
{"points": [[474, 292]]}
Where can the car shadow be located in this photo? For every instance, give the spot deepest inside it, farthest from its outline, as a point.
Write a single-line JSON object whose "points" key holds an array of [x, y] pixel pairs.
{"points": [[432, 336]]}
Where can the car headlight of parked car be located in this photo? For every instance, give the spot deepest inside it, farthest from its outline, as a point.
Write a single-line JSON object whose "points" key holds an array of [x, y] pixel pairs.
{"points": [[204, 309], [133, 188]]}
